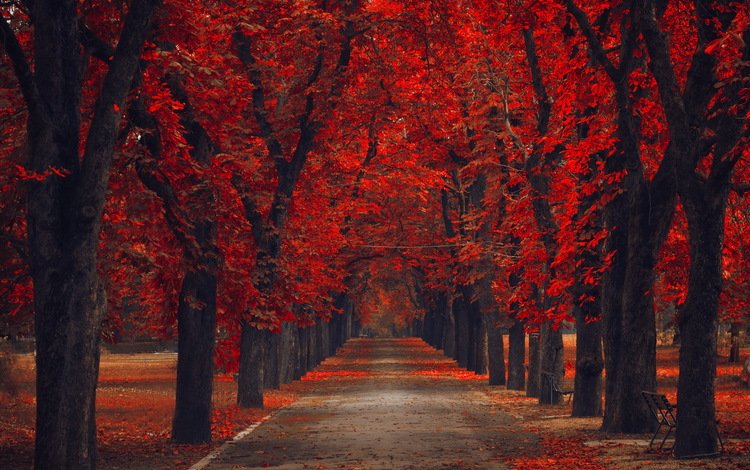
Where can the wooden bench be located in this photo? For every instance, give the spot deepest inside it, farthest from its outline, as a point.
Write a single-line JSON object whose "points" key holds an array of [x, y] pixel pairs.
{"points": [[663, 412], [555, 387]]}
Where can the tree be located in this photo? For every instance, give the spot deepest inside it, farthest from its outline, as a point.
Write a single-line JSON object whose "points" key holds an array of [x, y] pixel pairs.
{"points": [[711, 107], [64, 213]]}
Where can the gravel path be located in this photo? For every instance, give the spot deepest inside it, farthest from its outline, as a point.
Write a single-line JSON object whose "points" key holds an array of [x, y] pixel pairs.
{"points": [[384, 404]]}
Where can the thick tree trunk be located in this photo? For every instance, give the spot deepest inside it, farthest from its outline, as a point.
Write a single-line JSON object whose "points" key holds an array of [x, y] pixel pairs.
{"points": [[516, 356], [551, 363], [67, 361], [637, 361], [534, 369], [64, 220], [697, 433], [252, 351], [587, 396], [613, 280], [495, 351], [196, 320]]}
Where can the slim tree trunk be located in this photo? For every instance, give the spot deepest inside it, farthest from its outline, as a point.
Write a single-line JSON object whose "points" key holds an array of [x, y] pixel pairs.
{"points": [[532, 382], [271, 359], [449, 329], [516, 356], [463, 344], [438, 331], [319, 341], [734, 343], [551, 363], [312, 348], [286, 345], [480, 346], [302, 353]]}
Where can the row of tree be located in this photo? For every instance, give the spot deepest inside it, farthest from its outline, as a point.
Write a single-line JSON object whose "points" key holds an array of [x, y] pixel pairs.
{"points": [[242, 174]]}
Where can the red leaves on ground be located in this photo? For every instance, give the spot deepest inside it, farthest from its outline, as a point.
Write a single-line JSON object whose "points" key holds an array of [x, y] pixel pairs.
{"points": [[560, 453]]}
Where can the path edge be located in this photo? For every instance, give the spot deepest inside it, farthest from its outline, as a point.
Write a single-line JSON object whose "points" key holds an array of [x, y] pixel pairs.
{"points": [[205, 461]]}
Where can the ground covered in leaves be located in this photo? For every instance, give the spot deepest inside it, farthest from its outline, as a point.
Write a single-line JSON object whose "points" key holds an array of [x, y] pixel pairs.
{"points": [[498, 427]]}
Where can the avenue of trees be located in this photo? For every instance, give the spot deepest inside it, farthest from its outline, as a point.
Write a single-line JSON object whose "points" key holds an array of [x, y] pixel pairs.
{"points": [[256, 178]]}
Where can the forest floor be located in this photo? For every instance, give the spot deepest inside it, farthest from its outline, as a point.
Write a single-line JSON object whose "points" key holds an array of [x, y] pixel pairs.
{"points": [[380, 403]]}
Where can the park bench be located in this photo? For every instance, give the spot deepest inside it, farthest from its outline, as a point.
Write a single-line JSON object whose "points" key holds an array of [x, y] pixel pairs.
{"points": [[555, 387], [663, 412]]}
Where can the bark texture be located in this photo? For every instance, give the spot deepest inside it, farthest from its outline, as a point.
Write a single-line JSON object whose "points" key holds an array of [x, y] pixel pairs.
{"points": [[64, 218]]}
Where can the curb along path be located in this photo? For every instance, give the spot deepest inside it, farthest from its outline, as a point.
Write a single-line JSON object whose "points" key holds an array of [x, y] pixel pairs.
{"points": [[382, 403]]}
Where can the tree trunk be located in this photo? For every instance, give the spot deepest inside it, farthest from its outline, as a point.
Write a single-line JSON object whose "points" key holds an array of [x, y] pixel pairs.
{"points": [[637, 361], [64, 221], [495, 351], [312, 347], [67, 361], [734, 344], [551, 363], [286, 353], [697, 433], [428, 329], [324, 341], [516, 356], [250, 383], [438, 328], [303, 336], [480, 345], [463, 341], [532, 382], [319, 341], [449, 329], [271, 358], [196, 321], [613, 279], [587, 396]]}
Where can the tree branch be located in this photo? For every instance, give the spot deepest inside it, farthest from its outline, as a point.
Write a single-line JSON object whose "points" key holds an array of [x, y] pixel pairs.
{"points": [[21, 67], [267, 132], [117, 82], [594, 43], [252, 214], [545, 105], [99, 49]]}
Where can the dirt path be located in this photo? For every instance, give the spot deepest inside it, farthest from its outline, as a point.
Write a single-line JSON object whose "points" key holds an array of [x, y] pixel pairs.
{"points": [[384, 404]]}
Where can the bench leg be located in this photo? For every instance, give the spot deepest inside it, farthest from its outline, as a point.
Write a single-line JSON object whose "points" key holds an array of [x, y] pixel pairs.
{"points": [[656, 433], [669, 431]]}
